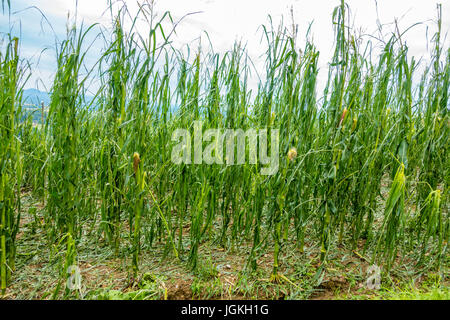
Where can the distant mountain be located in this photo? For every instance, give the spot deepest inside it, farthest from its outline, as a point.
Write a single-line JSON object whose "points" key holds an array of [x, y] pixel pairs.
{"points": [[35, 97]]}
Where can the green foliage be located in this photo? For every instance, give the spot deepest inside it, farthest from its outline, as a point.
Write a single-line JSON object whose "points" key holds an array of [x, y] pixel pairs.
{"points": [[369, 126], [11, 162]]}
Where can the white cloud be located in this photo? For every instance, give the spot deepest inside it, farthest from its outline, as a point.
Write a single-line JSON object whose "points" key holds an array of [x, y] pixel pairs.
{"points": [[229, 20]]}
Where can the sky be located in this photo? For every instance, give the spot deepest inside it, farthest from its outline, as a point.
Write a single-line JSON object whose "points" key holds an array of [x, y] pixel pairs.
{"points": [[225, 21]]}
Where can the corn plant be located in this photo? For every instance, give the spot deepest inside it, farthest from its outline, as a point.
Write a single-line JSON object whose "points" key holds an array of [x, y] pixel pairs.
{"points": [[10, 159], [63, 128], [372, 126]]}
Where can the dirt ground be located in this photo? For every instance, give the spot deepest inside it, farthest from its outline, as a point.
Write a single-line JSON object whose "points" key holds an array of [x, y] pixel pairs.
{"points": [[221, 273]]}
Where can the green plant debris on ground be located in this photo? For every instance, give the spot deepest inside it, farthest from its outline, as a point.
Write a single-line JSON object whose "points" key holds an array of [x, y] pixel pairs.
{"points": [[93, 205]]}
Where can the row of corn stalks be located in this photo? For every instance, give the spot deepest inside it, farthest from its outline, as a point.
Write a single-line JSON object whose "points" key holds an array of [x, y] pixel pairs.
{"points": [[103, 168]]}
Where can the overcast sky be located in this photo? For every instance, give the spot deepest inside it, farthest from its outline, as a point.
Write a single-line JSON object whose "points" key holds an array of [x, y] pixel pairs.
{"points": [[225, 21]]}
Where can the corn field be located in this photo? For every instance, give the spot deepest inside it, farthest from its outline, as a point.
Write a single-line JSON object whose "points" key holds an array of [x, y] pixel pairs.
{"points": [[364, 165]]}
